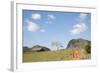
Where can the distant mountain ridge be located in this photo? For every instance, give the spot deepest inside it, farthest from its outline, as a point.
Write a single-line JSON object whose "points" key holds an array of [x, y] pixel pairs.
{"points": [[77, 43], [39, 48], [36, 48], [72, 44]]}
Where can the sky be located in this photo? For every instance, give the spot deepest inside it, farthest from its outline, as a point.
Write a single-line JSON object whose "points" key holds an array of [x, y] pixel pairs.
{"points": [[46, 27]]}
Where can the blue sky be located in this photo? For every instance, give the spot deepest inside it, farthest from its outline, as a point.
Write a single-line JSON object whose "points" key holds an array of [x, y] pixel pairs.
{"points": [[45, 27]]}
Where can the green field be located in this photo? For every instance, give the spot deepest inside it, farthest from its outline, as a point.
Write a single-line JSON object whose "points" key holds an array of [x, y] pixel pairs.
{"points": [[59, 55]]}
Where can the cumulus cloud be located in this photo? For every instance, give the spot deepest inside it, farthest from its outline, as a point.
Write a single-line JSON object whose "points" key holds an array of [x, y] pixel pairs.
{"points": [[36, 16], [78, 28], [32, 26]]}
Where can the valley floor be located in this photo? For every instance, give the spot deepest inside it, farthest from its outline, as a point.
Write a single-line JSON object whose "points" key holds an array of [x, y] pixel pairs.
{"points": [[59, 55]]}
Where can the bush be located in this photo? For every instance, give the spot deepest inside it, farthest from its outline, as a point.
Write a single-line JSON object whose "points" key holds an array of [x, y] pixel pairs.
{"points": [[88, 48]]}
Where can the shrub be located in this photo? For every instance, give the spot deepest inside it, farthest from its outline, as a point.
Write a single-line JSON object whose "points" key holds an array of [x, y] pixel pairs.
{"points": [[88, 48]]}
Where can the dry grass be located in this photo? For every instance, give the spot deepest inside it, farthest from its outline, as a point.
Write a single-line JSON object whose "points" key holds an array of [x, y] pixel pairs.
{"points": [[59, 55]]}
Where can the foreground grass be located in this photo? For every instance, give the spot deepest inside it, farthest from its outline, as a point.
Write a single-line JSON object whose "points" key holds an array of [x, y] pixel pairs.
{"points": [[59, 55]]}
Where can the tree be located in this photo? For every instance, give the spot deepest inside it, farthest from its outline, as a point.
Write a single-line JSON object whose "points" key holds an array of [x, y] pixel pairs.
{"points": [[57, 45], [88, 48]]}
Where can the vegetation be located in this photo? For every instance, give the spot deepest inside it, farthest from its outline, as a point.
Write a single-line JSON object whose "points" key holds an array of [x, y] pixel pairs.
{"points": [[88, 48], [59, 55], [26, 49], [77, 49]]}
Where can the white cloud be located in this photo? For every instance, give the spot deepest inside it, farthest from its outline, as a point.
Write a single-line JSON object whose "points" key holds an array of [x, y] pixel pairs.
{"points": [[51, 16], [81, 26], [42, 30], [78, 28], [83, 16], [50, 19], [36, 16], [32, 26]]}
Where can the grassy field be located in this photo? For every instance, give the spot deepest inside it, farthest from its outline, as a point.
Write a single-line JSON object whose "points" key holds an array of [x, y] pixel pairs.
{"points": [[59, 55]]}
